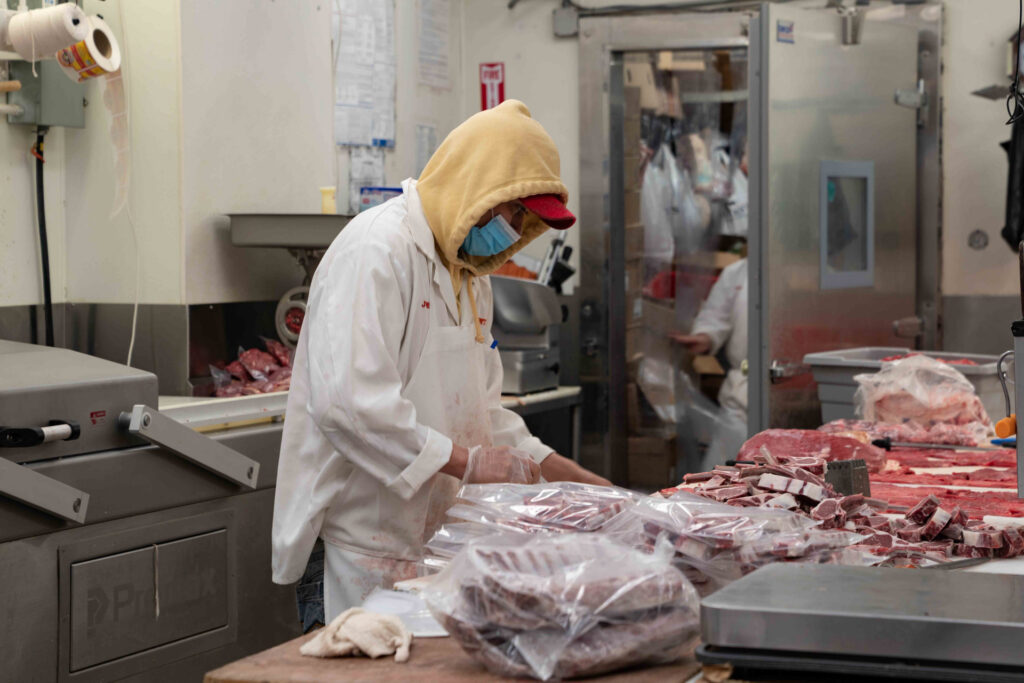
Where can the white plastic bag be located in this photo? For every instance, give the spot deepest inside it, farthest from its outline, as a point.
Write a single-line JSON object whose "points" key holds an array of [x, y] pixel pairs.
{"points": [[656, 210], [564, 606], [925, 392]]}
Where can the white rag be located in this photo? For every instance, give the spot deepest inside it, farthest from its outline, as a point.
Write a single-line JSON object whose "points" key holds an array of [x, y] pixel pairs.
{"points": [[358, 632]]}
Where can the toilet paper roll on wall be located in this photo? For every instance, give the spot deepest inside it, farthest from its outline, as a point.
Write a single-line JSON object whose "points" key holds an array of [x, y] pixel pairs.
{"points": [[39, 33], [96, 54]]}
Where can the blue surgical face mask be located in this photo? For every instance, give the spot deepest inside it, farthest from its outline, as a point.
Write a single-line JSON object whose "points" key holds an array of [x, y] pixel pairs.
{"points": [[493, 238]]}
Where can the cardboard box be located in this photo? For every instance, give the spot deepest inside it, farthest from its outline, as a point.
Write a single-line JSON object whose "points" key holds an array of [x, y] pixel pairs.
{"points": [[631, 169], [659, 316], [634, 240], [633, 94], [631, 206], [634, 273], [632, 131], [651, 462]]}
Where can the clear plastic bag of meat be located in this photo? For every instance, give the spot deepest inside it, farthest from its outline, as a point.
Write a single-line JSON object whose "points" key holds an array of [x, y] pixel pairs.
{"points": [[560, 606], [568, 506], [922, 391], [716, 544]]}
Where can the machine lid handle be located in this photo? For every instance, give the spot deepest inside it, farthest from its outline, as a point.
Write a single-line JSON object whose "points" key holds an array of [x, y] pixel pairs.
{"points": [[199, 449], [42, 493]]}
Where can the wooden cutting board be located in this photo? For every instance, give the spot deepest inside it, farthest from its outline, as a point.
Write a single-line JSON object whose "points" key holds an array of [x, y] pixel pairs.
{"points": [[431, 659]]}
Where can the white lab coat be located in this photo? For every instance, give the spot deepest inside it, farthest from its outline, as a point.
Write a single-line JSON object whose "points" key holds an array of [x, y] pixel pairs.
{"points": [[381, 370], [724, 318]]}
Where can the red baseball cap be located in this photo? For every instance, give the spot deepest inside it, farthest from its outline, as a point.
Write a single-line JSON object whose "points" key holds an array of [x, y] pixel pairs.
{"points": [[550, 209]]}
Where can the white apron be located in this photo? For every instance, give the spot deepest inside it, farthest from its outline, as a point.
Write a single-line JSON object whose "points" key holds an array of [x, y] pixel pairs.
{"points": [[449, 390]]}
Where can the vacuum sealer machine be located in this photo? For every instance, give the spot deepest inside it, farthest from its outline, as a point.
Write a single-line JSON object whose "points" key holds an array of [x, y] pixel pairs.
{"points": [[132, 547]]}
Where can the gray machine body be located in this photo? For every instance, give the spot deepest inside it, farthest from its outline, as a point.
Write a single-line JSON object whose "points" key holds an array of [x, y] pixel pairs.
{"points": [[168, 575], [940, 616], [527, 317]]}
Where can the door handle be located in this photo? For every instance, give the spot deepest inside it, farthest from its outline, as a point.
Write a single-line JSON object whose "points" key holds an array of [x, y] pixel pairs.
{"points": [[781, 370], [160, 430]]}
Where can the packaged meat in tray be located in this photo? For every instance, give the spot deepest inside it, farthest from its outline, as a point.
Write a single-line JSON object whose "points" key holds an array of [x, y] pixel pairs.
{"points": [[560, 606]]}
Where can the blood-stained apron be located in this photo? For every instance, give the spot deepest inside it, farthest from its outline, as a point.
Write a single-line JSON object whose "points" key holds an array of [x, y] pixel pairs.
{"points": [[449, 390]]}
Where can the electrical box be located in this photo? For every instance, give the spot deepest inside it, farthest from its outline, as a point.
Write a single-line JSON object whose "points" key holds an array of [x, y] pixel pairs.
{"points": [[50, 98]]}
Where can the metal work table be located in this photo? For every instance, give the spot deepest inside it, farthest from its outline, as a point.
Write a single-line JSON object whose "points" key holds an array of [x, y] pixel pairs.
{"points": [[208, 414], [431, 659]]}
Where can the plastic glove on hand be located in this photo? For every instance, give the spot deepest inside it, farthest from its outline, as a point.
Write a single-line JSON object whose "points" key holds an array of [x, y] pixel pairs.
{"points": [[500, 465]]}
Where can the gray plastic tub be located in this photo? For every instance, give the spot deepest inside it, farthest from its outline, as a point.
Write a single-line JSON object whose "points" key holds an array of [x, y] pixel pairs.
{"points": [[834, 371]]}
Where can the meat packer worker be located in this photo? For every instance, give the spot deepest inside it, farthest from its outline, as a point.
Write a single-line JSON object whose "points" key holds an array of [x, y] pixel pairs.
{"points": [[395, 394]]}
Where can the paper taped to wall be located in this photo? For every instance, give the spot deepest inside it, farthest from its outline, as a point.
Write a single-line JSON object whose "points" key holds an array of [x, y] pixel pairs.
{"points": [[365, 169], [364, 73]]}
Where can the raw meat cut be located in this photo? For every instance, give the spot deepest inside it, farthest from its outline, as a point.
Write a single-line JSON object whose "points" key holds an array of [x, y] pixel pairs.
{"points": [[940, 457], [947, 361], [259, 364], [977, 504], [787, 445], [909, 432], [282, 354]]}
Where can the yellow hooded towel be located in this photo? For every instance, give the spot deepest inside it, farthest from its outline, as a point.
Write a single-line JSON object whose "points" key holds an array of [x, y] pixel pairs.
{"points": [[496, 156]]}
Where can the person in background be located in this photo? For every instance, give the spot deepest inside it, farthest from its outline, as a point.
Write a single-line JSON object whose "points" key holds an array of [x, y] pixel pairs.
{"points": [[395, 395], [722, 322]]}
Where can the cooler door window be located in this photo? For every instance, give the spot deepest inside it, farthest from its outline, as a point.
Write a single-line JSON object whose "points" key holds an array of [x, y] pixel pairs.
{"points": [[847, 225]]}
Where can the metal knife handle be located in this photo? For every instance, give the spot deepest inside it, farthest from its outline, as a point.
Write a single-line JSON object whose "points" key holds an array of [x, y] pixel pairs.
{"points": [[42, 492], [160, 430]]}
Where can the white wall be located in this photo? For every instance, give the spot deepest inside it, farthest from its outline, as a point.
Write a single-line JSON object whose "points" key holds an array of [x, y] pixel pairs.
{"points": [[101, 249], [20, 273], [541, 70], [257, 126], [974, 166]]}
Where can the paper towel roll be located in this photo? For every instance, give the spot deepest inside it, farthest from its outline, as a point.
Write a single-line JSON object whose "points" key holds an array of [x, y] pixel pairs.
{"points": [[95, 55], [39, 33]]}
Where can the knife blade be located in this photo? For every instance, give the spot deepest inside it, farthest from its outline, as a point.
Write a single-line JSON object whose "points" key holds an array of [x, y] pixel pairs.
{"points": [[889, 444]]}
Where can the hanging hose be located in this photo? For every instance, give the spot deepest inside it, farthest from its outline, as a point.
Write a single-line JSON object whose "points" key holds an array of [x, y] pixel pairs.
{"points": [[44, 249]]}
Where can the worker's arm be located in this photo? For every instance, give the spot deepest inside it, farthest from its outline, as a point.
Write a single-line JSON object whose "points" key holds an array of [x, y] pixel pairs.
{"points": [[713, 325], [558, 468], [355, 320]]}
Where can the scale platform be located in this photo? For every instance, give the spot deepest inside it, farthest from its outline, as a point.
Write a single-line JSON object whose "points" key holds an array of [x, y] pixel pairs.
{"points": [[897, 623]]}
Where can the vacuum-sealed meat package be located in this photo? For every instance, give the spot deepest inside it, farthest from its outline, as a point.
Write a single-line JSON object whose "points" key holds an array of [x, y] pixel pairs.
{"points": [[564, 605]]}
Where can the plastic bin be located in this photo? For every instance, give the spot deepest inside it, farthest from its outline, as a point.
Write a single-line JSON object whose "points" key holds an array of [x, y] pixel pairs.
{"points": [[834, 372]]}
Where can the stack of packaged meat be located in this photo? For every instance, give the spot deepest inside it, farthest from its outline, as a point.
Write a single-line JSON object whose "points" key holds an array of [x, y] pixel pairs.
{"points": [[925, 393], [557, 507], [559, 606], [255, 371]]}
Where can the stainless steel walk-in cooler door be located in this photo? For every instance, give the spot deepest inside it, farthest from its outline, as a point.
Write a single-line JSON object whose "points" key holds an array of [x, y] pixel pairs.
{"points": [[833, 263], [787, 136]]}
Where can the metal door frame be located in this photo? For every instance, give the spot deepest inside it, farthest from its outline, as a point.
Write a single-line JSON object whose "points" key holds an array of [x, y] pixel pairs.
{"points": [[601, 293]]}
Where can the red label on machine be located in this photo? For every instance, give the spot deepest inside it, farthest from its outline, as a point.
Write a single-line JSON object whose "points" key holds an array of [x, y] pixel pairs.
{"points": [[98, 416], [492, 85]]}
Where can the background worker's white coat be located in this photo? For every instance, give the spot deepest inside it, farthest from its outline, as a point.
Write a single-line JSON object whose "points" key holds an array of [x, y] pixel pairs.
{"points": [[361, 453], [723, 317]]}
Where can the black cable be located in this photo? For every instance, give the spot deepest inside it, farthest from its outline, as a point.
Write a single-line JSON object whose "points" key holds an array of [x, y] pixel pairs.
{"points": [[1015, 95], [44, 249]]}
